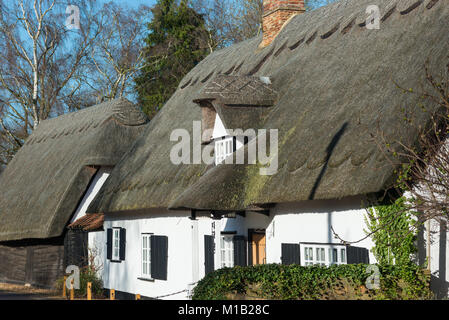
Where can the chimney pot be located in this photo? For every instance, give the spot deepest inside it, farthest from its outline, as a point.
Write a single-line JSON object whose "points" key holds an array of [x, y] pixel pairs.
{"points": [[275, 14]]}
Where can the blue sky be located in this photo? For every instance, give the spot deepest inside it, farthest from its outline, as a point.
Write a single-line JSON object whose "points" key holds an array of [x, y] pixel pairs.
{"points": [[134, 3]]}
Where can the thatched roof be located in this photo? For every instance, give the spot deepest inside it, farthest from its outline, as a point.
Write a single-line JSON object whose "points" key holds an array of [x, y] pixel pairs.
{"points": [[43, 184], [335, 84]]}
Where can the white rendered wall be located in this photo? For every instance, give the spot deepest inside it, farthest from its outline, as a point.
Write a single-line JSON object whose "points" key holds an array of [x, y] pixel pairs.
{"points": [[97, 250], [94, 187], [311, 221], [123, 276], [96, 240], [219, 128], [308, 221]]}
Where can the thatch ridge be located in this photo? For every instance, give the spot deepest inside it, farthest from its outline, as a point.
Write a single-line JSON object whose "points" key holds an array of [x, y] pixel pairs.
{"points": [[335, 81]]}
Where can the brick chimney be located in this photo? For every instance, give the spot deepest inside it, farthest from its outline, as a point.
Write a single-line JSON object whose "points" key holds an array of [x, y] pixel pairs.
{"points": [[275, 14]]}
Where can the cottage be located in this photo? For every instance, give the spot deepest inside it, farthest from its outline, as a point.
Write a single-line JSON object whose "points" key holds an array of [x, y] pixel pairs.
{"points": [[49, 184], [323, 80]]}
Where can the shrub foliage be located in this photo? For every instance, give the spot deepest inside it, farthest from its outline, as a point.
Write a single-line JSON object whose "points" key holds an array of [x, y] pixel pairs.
{"points": [[281, 282], [87, 274]]}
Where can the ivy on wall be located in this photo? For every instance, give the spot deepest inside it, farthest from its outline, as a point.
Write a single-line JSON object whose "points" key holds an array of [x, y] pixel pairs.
{"points": [[393, 232]]}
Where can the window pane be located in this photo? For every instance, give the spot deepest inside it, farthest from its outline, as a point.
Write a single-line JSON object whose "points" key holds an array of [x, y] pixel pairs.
{"points": [[335, 255], [343, 255], [116, 244], [145, 257], [227, 251]]}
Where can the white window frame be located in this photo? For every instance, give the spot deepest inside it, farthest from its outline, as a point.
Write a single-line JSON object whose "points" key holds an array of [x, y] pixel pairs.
{"points": [[115, 244], [224, 147], [227, 250], [145, 252], [323, 254]]}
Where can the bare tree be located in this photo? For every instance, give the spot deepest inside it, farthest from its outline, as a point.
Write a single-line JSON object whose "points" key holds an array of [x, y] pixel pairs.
{"points": [[118, 54], [424, 167], [42, 64], [232, 21]]}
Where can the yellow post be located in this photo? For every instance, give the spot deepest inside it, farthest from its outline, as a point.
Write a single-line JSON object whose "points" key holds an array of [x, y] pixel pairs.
{"points": [[137, 296], [89, 291], [64, 288], [72, 291], [112, 294]]}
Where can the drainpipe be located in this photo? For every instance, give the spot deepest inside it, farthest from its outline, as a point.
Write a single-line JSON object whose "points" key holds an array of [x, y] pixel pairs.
{"points": [[428, 244]]}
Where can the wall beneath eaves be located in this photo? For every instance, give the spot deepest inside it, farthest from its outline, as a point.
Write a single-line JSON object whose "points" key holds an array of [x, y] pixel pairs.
{"points": [[124, 276], [307, 221], [287, 223], [311, 221]]}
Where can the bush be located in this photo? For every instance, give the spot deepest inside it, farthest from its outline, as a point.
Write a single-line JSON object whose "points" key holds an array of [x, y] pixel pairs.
{"points": [[87, 274], [313, 282]]}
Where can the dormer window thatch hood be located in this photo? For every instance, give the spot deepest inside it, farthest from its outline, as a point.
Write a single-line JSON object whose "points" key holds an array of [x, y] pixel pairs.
{"points": [[239, 101]]}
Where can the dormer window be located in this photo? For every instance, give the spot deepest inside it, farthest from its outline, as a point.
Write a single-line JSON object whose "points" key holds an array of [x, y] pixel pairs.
{"points": [[232, 108], [223, 148]]}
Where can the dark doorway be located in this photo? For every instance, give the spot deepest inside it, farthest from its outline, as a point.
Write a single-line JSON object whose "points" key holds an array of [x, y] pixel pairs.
{"points": [[257, 246]]}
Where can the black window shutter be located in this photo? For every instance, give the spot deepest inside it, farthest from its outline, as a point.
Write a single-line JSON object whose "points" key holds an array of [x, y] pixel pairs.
{"points": [[122, 243], [351, 255], [239, 251], [365, 256], [109, 244], [290, 253], [357, 255], [159, 257], [209, 264]]}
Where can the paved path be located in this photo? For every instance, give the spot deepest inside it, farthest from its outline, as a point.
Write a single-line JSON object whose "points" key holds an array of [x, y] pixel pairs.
{"points": [[6, 295]]}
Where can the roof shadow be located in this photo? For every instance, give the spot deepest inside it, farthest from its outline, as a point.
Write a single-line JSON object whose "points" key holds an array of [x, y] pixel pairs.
{"points": [[329, 150]]}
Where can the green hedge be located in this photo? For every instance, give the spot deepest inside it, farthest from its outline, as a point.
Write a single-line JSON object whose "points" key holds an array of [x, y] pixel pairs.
{"points": [[313, 282]]}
